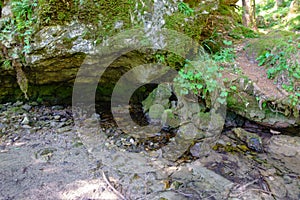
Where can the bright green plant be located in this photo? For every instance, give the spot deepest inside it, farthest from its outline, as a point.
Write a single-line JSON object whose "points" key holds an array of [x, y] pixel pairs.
{"points": [[18, 28], [23, 14], [160, 58], [262, 103], [185, 9], [278, 63], [7, 64], [201, 78], [225, 55], [265, 5], [277, 18]]}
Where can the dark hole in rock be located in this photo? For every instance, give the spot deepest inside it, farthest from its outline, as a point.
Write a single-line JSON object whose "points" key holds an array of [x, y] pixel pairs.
{"points": [[136, 108], [173, 97]]}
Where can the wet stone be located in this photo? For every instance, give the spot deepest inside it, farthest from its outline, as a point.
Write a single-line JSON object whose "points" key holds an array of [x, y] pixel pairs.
{"points": [[18, 103], [26, 107], [252, 140], [195, 150]]}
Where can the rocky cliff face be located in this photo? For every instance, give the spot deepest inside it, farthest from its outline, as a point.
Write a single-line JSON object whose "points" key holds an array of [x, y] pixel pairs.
{"points": [[63, 33]]}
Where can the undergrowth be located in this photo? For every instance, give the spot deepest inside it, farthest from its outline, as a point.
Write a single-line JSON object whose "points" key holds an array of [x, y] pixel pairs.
{"points": [[225, 55], [277, 17], [282, 62], [201, 77], [18, 28]]}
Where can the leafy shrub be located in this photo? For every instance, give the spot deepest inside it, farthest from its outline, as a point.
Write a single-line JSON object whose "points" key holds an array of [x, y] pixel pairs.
{"points": [[225, 55], [23, 14], [19, 28], [241, 31], [201, 78], [282, 63], [185, 9]]}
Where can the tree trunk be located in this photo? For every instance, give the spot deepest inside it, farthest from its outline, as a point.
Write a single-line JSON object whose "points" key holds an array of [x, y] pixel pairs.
{"points": [[294, 7], [1, 6], [249, 19]]}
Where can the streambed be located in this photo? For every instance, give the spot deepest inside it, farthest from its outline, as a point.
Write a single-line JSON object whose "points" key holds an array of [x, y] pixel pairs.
{"points": [[44, 156]]}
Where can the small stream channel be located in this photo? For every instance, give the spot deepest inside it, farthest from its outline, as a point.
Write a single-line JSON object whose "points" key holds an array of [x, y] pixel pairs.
{"points": [[45, 153]]}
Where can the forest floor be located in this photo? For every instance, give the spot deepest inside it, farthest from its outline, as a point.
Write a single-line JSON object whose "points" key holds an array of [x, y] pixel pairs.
{"points": [[44, 155]]}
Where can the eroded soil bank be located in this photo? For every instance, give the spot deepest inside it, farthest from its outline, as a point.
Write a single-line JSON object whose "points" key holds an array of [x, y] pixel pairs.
{"points": [[45, 156]]}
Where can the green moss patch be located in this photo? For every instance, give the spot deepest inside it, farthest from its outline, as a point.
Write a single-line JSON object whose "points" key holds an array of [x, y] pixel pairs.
{"points": [[101, 14], [271, 40]]}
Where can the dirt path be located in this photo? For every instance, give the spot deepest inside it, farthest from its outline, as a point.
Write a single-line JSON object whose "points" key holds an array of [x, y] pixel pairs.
{"points": [[258, 74]]}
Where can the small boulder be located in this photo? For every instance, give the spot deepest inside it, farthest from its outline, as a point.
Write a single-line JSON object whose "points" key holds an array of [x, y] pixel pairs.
{"points": [[156, 111]]}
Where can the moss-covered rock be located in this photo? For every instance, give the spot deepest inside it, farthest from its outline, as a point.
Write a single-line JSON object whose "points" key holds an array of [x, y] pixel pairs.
{"points": [[271, 40], [66, 30], [243, 101], [160, 95], [155, 111]]}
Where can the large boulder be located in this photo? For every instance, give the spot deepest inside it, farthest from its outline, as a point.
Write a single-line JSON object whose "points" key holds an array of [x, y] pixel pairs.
{"points": [[64, 32]]}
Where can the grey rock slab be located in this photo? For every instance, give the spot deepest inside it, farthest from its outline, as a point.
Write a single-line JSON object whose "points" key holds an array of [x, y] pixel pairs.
{"points": [[160, 95], [284, 145], [51, 39], [127, 162], [277, 186], [200, 173], [286, 149], [175, 148], [250, 194]]}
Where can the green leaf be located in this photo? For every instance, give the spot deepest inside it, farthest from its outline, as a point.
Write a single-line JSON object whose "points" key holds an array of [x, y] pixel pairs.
{"points": [[227, 42], [296, 75], [233, 87], [221, 100], [199, 86], [224, 94]]}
